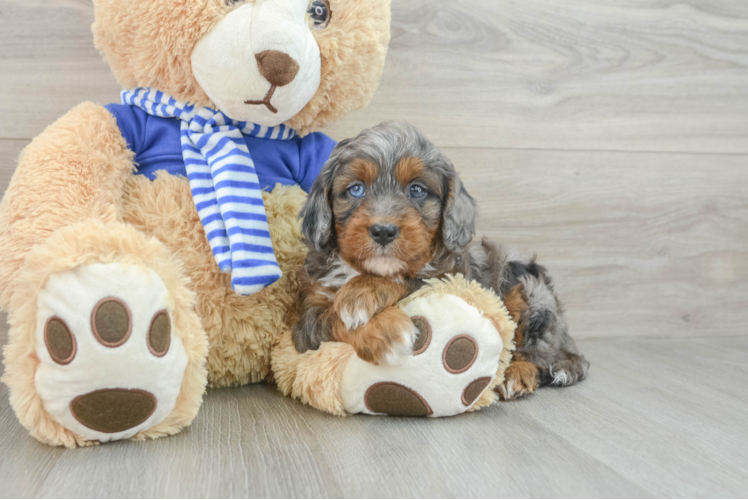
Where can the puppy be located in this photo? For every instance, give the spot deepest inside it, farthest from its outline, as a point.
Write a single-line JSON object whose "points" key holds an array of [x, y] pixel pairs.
{"points": [[388, 211]]}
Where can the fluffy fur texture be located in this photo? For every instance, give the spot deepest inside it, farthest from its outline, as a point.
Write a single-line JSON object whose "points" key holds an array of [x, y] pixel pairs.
{"points": [[315, 377], [90, 242], [75, 170], [241, 330], [79, 171], [149, 43], [390, 174]]}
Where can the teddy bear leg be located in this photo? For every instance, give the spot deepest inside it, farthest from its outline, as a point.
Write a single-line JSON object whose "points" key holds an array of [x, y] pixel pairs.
{"points": [[74, 171], [462, 349], [104, 341]]}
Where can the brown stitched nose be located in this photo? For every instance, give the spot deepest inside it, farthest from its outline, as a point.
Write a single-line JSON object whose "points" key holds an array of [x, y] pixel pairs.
{"points": [[277, 67]]}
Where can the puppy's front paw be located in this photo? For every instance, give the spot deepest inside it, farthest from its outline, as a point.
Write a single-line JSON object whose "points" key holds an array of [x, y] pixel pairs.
{"points": [[359, 300], [402, 349], [389, 336], [520, 378], [354, 311]]}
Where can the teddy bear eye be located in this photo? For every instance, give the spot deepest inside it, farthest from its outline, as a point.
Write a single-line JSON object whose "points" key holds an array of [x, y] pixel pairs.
{"points": [[320, 13]]}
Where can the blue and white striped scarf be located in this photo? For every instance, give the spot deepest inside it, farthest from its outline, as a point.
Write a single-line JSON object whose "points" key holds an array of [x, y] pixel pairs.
{"points": [[224, 184]]}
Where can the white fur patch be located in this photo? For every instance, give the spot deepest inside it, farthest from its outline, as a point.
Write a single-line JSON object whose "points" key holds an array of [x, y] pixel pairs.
{"points": [[401, 352], [355, 318], [384, 266], [560, 377], [340, 274], [507, 389]]}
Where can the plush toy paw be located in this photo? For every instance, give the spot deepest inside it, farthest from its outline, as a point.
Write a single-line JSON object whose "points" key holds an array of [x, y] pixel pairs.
{"points": [[110, 364], [463, 346], [455, 357]]}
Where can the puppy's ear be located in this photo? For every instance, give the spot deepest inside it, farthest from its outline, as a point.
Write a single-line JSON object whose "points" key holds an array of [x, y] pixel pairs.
{"points": [[316, 214], [459, 217]]}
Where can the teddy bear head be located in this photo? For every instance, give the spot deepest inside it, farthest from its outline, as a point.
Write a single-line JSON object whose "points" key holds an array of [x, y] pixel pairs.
{"points": [[304, 63]]}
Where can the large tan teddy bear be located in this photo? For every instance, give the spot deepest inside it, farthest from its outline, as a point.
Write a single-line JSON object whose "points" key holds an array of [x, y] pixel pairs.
{"points": [[151, 247]]}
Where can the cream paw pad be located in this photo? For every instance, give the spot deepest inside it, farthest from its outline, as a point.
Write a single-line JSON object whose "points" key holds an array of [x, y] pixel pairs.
{"points": [[463, 347], [110, 365]]}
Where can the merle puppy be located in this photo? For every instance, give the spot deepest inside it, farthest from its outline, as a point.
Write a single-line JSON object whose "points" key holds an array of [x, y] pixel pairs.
{"points": [[388, 211]]}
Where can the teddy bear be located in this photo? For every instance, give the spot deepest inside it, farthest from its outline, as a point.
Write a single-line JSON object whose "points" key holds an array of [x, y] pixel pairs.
{"points": [[151, 247]]}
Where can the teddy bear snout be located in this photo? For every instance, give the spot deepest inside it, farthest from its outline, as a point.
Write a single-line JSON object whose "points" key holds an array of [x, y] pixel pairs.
{"points": [[277, 67]]}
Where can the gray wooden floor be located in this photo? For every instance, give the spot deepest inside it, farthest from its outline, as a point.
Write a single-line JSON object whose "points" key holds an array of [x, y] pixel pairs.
{"points": [[610, 136]]}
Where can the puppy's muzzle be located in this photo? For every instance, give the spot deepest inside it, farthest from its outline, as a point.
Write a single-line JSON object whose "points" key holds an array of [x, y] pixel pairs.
{"points": [[384, 234]]}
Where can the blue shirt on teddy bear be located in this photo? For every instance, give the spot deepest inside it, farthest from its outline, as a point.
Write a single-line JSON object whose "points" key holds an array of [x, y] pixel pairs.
{"points": [[156, 144]]}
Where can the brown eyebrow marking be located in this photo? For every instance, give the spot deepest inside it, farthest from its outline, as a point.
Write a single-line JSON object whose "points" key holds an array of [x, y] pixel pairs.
{"points": [[408, 169], [358, 170], [412, 168]]}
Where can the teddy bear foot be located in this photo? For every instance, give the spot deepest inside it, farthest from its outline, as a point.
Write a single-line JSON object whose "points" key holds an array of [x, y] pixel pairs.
{"points": [[463, 346], [110, 364], [455, 358]]}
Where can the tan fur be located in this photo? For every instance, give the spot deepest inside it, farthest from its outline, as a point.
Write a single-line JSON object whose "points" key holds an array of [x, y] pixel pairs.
{"points": [[373, 341], [148, 43], [90, 242], [408, 169], [352, 50], [359, 170], [386, 324], [241, 330], [73, 188], [73, 171], [315, 377], [521, 376], [412, 249], [516, 303]]}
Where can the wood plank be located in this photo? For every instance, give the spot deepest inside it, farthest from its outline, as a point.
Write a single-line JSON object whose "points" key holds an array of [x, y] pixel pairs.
{"points": [[42, 77], [643, 424], [634, 75], [605, 75], [646, 245]]}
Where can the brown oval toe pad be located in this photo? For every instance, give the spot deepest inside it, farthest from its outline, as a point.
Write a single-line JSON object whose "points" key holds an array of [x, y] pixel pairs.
{"points": [[113, 410], [460, 354], [424, 335], [474, 389], [59, 340], [395, 399], [159, 334], [111, 322]]}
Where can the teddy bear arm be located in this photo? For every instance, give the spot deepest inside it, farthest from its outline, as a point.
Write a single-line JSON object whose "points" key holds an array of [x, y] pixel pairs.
{"points": [[75, 170]]}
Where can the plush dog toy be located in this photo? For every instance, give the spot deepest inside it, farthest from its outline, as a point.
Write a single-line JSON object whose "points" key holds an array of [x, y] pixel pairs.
{"points": [[150, 247]]}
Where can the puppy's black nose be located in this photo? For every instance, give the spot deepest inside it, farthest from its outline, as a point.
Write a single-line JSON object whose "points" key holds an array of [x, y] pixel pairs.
{"points": [[384, 234]]}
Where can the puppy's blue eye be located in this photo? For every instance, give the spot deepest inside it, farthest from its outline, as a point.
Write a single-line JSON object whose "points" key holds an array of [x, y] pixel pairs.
{"points": [[417, 191], [357, 191]]}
